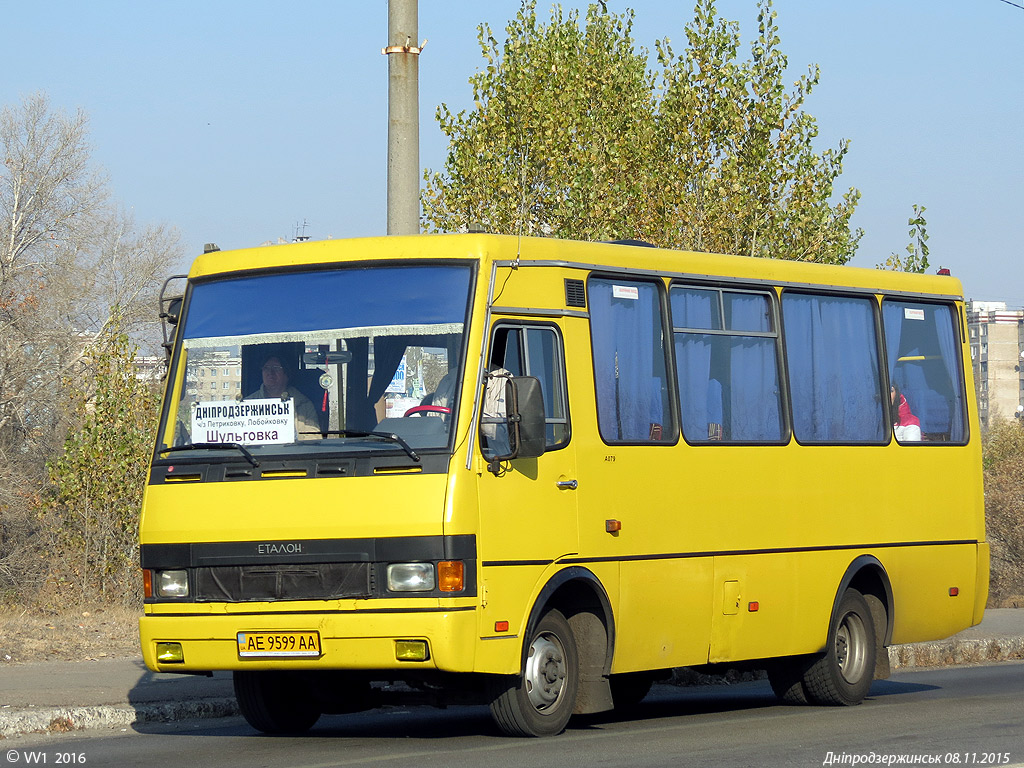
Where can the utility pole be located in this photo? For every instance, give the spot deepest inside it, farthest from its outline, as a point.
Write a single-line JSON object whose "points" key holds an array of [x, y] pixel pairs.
{"points": [[403, 118]]}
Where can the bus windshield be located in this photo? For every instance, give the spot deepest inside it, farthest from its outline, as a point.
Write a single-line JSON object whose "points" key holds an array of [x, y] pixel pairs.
{"points": [[330, 359]]}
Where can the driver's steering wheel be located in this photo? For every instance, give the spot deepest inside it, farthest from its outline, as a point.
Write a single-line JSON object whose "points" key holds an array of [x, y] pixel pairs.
{"points": [[421, 409]]}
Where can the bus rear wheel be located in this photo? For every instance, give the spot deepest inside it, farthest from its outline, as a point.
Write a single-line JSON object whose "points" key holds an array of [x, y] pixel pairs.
{"points": [[275, 702], [540, 700], [843, 674]]}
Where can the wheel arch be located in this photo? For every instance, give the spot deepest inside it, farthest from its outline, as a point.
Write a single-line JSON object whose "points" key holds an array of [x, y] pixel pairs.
{"points": [[574, 590], [581, 597], [868, 576]]}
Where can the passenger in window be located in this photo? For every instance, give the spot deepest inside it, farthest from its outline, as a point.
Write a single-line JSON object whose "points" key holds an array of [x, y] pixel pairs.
{"points": [[275, 384], [906, 426]]}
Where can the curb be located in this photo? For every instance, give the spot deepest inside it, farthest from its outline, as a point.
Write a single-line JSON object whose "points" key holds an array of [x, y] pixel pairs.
{"points": [[945, 653], [65, 719]]}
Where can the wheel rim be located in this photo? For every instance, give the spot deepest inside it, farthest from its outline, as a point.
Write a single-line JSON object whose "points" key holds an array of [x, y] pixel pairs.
{"points": [[851, 648], [545, 672]]}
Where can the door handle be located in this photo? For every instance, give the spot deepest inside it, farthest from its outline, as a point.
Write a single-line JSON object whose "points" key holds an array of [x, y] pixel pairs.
{"points": [[567, 485]]}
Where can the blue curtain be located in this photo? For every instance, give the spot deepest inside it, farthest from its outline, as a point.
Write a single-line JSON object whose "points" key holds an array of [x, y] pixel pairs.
{"points": [[700, 403], [753, 379], [731, 380], [948, 349], [629, 361], [892, 321], [833, 369]]}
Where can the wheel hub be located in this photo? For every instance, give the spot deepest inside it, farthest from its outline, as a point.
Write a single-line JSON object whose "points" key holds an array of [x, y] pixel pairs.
{"points": [[851, 643], [545, 672]]}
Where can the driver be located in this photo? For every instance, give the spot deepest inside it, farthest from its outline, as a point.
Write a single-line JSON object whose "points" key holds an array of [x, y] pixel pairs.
{"points": [[275, 385]]}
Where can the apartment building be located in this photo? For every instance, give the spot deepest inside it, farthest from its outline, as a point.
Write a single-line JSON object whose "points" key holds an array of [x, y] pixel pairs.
{"points": [[997, 354]]}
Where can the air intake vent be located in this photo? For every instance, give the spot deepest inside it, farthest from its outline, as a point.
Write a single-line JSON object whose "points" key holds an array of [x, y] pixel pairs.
{"points": [[575, 293]]}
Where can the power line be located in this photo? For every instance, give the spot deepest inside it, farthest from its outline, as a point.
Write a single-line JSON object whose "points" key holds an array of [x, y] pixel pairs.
{"points": [[1015, 5]]}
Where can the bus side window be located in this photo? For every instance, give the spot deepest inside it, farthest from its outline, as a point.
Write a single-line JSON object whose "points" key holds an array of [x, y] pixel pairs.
{"points": [[630, 364], [726, 346], [922, 354], [537, 351], [835, 377]]}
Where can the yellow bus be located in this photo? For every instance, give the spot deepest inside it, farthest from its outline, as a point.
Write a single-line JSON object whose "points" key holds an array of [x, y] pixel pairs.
{"points": [[540, 474]]}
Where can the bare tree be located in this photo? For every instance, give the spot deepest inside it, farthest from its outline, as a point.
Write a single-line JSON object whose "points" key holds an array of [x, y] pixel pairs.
{"points": [[70, 261], [50, 191], [67, 257]]}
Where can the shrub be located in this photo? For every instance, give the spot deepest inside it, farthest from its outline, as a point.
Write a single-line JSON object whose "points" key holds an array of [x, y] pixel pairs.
{"points": [[1003, 459], [91, 512]]}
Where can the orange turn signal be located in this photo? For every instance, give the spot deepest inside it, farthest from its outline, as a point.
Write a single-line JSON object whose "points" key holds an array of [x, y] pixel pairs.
{"points": [[147, 582], [450, 575]]}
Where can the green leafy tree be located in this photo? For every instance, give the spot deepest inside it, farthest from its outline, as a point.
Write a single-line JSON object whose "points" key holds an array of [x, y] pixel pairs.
{"points": [[572, 136], [92, 510], [916, 259], [558, 140]]}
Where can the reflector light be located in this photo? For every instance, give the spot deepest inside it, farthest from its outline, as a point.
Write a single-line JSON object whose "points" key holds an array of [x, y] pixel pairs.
{"points": [[501, 626], [613, 526], [753, 606], [954, 591]]}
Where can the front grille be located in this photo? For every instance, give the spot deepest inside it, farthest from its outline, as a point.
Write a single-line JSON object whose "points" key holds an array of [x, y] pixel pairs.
{"points": [[308, 581]]}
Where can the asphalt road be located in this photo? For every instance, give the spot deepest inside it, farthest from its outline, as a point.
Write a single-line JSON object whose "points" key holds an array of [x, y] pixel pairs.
{"points": [[961, 716]]}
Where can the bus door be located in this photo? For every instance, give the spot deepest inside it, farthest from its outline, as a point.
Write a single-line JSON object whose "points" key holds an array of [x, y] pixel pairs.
{"points": [[527, 506]]}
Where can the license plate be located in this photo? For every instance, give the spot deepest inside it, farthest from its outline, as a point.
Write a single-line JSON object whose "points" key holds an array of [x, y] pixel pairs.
{"points": [[278, 644]]}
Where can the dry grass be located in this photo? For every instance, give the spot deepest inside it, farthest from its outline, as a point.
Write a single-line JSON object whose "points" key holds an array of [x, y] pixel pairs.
{"points": [[73, 635], [1010, 601]]}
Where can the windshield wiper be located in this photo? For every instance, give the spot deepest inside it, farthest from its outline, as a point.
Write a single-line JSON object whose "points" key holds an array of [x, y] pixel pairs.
{"points": [[355, 433], [212, 447]]}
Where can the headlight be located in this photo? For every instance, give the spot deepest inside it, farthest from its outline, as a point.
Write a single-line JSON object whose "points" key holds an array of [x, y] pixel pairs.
{"points": [[410, 577], [172, 584]]}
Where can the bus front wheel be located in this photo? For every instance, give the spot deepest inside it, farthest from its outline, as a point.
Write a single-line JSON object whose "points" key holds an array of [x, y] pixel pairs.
{"points": [[843, 674], [540, 700], [275, 702]]}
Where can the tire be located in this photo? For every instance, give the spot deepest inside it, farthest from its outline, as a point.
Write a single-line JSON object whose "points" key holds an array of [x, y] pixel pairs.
{"points": [[842, 675], [540, 700], [275, 702], [630, 689]]}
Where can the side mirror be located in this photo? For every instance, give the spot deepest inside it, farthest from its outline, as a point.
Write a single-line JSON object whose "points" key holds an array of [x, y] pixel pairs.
{"points": [[173, 312], [170, 311], [526, 417], [512, 425]]}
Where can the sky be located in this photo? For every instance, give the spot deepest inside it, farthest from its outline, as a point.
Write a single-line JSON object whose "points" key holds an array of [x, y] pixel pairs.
{"points": [[246, 122]]}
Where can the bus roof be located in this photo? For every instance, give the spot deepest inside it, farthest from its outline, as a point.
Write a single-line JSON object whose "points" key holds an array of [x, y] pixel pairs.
{"points": [[598, 256]]}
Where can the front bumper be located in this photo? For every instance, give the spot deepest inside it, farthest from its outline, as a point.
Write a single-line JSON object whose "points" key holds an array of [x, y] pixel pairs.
{"points": [[350, 640]]}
